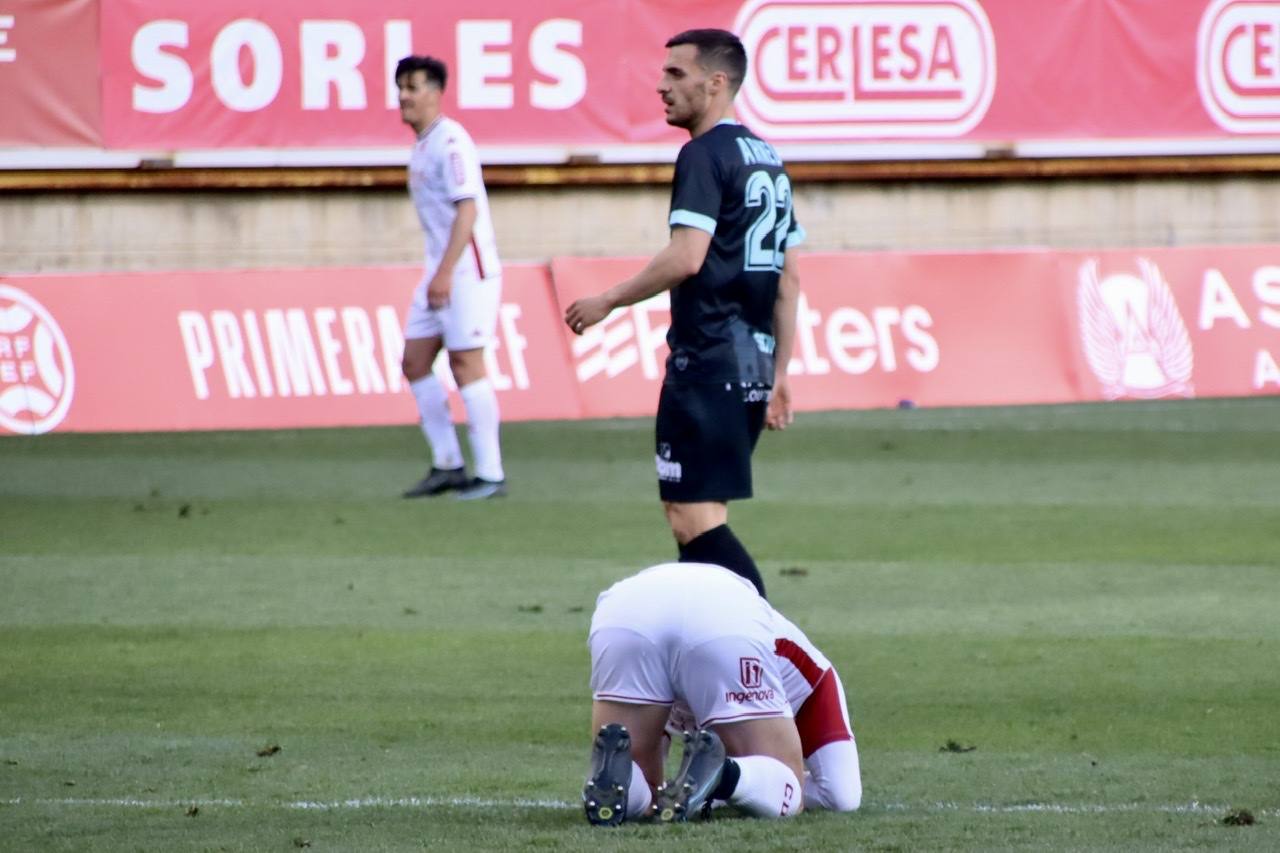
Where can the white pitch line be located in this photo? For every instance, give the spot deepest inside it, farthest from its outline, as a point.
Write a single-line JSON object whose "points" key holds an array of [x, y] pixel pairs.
{"points": [[299, 805], [428, 802], [1192, 808]]}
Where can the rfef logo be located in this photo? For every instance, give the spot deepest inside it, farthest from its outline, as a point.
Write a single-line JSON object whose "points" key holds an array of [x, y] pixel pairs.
{"points": [[1134, 338], [861, 69], [1238, 65], [37, 378]]}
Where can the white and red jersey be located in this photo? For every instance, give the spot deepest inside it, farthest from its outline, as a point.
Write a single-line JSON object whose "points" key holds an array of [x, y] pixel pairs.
{"points": [[444, 168], [803, 665], [833, 775], [813, 690]]}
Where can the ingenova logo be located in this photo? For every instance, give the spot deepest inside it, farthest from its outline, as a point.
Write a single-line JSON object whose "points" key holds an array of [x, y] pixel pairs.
{"points": [[861, 69]]}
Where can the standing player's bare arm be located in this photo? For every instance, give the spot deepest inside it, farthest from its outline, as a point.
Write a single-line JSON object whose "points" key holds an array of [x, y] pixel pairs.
{"points": [[459, 235], [779, 414], [681, 258]]}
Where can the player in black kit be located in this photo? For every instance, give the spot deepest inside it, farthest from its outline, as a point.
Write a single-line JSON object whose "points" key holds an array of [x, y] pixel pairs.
{"points": [[733, 300]]}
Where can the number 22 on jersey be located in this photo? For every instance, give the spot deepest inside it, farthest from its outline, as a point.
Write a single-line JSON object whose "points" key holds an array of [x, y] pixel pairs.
{"points": [[767, 236]]}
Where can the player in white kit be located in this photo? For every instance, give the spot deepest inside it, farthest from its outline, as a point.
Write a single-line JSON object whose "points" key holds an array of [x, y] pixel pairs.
{"points": [[702, 635], [455, 305], [636, 636], [833, 775]]}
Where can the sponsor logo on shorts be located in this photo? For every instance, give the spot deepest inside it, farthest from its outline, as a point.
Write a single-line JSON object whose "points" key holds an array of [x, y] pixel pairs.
{"points": [[668, 469], [751, 674], [743, 696]]}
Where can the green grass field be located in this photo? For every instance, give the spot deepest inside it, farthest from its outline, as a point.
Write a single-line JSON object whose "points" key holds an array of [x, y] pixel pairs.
{"points": [[1088, 596]]}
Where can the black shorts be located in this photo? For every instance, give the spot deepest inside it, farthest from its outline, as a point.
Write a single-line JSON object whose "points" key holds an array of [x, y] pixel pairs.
{"points": [[705, 433]]}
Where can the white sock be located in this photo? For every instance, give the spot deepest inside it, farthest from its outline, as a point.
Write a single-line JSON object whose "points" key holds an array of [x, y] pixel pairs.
{"points": [[834, 780], [766, 788], [437, 425], [482, 428], [639, 797]]}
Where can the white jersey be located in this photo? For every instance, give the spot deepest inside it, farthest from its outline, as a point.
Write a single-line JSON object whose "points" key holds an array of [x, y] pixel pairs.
{"points": [[800, 664], [815, 695], [444, 168]]}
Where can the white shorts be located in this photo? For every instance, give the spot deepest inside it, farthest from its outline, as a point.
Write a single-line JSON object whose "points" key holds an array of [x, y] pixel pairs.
{"points": [[467, 322], [691, 632]]}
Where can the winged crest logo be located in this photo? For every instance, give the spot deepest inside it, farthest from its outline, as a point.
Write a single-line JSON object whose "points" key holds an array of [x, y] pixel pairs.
{"points": [[1134, 338]]}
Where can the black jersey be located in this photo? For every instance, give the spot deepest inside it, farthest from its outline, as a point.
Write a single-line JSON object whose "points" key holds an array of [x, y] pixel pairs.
{"points": [[731, 184]]}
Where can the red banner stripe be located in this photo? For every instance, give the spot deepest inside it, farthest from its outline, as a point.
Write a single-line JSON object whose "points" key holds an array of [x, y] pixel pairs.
{"points": [[305, 74], [322, 347]]}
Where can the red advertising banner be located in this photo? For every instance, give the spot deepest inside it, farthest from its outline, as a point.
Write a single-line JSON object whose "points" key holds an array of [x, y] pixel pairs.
{"points": [[1175, 322], [48, 77], [934, 330], [321, 72], [982, 328], [321, 347], [1238, 64], [618, 363], [240, 350], [952, 77]]}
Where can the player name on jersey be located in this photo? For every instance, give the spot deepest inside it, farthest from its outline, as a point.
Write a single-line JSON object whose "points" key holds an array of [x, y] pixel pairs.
{"points": [[757, 151]]}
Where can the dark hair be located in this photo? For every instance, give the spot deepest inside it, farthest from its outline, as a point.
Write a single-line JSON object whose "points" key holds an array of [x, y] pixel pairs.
{"points": [[435, 70], [718, 50]]}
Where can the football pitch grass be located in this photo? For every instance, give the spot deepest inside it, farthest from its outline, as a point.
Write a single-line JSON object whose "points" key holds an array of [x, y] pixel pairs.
{"points": [[1058, 627]]}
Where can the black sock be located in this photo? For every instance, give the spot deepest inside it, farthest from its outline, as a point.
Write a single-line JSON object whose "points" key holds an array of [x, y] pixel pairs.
{"points": [[720, 547], [728, 780]]}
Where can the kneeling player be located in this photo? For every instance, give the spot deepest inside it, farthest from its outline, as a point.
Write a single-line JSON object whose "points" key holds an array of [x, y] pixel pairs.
{"points": [[700, 634], [833, 777]]}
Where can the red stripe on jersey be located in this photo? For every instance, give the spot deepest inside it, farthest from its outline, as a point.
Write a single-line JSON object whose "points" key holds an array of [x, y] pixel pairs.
{"points": [[821, 720], [808, 667], [475, 252], [455, 163]]}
